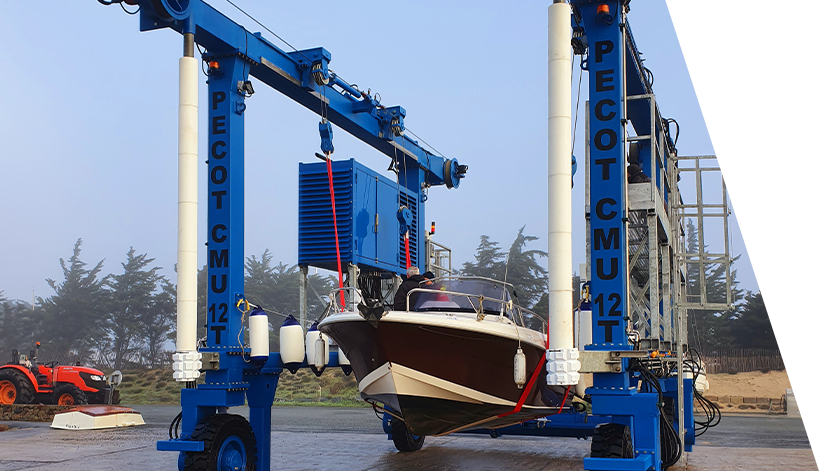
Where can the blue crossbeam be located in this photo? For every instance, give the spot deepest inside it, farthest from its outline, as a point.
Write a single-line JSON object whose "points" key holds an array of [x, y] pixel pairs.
{"points": [[180, 445], [291, 73]]}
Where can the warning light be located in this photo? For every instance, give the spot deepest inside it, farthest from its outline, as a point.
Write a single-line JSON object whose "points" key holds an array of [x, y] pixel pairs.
{"points": [[432, 228], [214, 65], [603, 9]]}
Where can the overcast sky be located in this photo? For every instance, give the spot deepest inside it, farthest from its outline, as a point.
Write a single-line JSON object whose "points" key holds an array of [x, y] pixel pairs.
{"points": [[89, 124]]}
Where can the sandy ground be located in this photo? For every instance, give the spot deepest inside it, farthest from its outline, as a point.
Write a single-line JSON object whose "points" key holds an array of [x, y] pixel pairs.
{"points": [[751, 384]]}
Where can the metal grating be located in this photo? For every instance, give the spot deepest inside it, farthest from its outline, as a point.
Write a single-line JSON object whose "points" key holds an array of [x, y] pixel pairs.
{"points": [[316, 244]]}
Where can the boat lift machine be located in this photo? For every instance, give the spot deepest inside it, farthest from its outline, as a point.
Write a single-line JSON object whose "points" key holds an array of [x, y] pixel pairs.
{"points": [[636, 254]]}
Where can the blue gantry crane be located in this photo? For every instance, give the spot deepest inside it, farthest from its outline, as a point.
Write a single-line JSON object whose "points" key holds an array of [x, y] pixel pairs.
{"points": [[641, 403], [631, 323]]}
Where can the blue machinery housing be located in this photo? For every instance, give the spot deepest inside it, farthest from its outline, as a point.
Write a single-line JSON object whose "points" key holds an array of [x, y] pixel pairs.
{"points": [[367, 205], [369, 228]]}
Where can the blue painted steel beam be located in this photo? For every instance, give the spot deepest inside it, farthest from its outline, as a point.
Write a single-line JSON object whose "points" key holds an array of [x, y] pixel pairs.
{"points": [[567, 424], [614, 72], [290, 74]]}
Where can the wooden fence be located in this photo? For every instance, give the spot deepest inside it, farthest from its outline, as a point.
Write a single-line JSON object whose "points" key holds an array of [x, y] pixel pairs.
{"points": [[736, 360]]}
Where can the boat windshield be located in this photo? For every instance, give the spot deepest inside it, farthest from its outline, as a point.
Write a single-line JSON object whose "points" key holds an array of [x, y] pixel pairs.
{"points": [[472, 294], [462, 295]]}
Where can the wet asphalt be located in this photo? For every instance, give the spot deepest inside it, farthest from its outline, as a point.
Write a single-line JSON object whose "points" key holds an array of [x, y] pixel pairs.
{"points": [[310, 438]]}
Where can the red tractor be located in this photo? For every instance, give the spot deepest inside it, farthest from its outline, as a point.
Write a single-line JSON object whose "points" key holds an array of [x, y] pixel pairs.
{"points": [[24, 381]]}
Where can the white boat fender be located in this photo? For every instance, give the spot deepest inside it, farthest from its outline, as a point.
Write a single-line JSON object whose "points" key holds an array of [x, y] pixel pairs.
{"points": [[258, 336], [292, 344], [316, 356], [520, 368]]}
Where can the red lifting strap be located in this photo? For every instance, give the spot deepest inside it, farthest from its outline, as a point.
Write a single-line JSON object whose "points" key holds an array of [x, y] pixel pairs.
{"points": [[527, 388], [335, 226], [407, 247]]}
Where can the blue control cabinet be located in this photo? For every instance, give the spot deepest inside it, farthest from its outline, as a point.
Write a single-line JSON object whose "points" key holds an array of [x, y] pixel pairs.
{"points": [[366, 207]]}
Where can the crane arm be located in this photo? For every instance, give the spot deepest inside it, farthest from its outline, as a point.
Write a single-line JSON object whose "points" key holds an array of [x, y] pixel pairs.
{"points": [[305, 77]]}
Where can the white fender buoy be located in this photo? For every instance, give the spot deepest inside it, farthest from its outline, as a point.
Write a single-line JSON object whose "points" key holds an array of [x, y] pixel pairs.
{"points": [[292, 344], [321, 352], [315, 356], [520, 368], [259, 336]]}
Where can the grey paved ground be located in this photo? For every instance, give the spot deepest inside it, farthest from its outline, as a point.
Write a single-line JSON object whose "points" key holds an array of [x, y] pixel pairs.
{"points": [[306, 438]]}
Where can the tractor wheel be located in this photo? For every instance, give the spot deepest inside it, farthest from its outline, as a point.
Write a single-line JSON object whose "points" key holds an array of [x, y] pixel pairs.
{"points": [[404, 440], [15, 387], [69, 395], [611, 441], [228, 443]]}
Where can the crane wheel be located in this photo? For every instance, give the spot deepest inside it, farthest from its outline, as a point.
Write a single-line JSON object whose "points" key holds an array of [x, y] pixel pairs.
{"points": [[69, 395], [15, 388], [228, 443], [611, 441], [403, 439]]}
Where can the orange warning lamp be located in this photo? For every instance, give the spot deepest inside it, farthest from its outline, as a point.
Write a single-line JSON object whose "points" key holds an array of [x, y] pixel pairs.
{"points": [[603, 9], [432, 228], [214, 65]]}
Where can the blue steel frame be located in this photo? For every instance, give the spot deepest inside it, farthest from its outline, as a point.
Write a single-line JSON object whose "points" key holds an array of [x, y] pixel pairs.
{"points": [[614, 70], [240, 54]]}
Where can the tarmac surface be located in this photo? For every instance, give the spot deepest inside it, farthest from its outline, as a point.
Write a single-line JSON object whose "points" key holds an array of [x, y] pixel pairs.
{"points": [[310, 438]]}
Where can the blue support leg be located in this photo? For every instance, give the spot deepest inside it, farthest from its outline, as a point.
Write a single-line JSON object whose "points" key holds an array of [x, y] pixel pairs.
{"points": [[259, 396]]}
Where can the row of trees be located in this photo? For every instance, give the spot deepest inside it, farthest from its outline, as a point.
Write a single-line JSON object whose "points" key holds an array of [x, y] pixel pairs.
{"points": [[115, 320], [127, 319]]}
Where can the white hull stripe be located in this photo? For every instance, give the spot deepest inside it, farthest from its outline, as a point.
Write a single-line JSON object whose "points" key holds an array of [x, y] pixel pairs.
{"points": [[400, 380]]}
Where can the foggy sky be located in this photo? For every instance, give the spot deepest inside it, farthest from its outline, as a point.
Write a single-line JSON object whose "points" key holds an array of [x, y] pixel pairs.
{"points": [[89, 125]]}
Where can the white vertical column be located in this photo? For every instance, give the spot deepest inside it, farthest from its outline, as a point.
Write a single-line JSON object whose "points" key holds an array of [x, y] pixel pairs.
{"points": [[562, 358], [186, 360]]}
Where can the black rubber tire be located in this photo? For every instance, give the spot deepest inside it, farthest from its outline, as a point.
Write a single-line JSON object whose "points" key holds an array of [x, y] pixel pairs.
{"points": [[403, 439], [611, 441], [78, 397], [24, 389], [213, 432]]}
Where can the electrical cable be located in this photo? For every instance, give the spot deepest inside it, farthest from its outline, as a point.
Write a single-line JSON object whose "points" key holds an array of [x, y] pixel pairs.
{"points": [[175, 425], [578, 97], [671, 120], [269, 30], [711, 410], [127, 11], [670, 442]]}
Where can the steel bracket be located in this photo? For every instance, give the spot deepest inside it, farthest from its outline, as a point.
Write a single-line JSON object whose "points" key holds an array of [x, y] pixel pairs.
{"points": [[211, 361]]}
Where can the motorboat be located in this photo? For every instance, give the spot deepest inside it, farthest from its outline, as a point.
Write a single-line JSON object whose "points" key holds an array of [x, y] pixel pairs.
{"points": [[450, 360]]}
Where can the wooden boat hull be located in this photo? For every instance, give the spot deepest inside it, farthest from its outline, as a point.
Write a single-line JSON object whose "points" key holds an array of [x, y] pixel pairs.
{"points": [[444, 373]]}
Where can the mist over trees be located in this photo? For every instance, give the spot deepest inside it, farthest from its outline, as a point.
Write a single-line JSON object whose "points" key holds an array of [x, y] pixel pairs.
{"points": [[127, 319]]}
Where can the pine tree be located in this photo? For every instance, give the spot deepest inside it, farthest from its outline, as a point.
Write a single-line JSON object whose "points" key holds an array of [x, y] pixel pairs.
{"points": [[18, 325], [158, 322], [708, 328], [74, 316], [489, 260], [751, 326], [132, 295], [520, 266]]}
